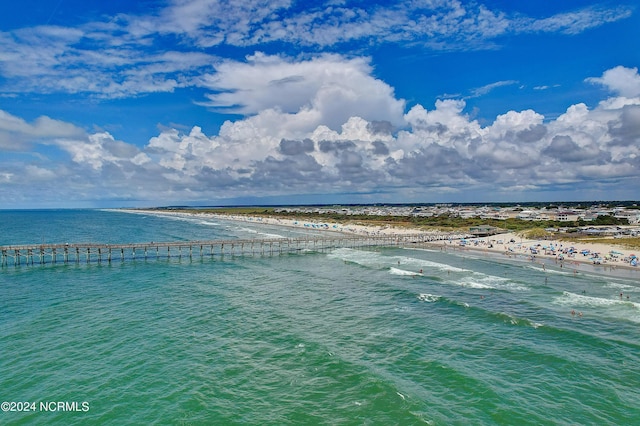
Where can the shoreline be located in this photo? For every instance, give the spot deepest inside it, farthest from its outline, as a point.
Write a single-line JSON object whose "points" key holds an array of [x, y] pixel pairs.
{"points": [[544, 262], [571, 256]]}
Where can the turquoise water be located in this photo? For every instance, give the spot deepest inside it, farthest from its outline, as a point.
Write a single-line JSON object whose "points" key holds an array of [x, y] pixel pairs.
{"points": [[347, 337]]}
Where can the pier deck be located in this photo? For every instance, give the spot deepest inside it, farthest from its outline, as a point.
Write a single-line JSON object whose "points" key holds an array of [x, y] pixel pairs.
{"points": [[67, 253]]}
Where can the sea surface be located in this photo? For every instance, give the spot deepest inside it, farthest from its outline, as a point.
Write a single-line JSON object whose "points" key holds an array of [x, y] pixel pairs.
{"points": [[346, 337]]}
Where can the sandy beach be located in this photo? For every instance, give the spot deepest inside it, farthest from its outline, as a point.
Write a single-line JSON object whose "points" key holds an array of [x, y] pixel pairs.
{"points": [[575, 256]]}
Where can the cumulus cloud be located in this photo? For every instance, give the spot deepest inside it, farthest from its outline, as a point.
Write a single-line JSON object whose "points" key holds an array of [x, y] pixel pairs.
{"points": [[99, 149], [440, 149], [278, 150], [325, 89], [620, 80], [291, 147]]}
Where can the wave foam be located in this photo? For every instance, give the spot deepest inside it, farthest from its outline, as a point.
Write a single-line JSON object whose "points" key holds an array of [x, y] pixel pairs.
{"points": [[484, 281], [396, 271], [572, 299], [426, 297], [265, 234]]}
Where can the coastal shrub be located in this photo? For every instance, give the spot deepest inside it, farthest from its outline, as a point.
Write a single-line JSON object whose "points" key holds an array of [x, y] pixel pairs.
{"points": [[536, 234]]}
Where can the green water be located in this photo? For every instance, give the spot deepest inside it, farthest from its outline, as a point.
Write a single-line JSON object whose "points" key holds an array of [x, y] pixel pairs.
{"points": [[348, 337]]}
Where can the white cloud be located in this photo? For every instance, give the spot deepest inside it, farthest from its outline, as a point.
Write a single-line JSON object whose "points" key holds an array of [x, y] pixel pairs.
{"points": [[327, 89], [440, 24], [129, 55], [39, 174], [285, 147], [60, 60], [440, 149], [213, 22], [18, 134], [481, 91], [99, 149], [574, 22], [620, 80]]}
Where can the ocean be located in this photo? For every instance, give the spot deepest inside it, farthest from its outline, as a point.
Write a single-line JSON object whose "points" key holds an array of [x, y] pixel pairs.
{"points": [[345, 337]]}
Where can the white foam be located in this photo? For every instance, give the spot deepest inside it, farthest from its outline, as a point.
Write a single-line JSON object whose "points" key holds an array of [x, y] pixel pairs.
{"points": [[378, 261], [396, 271], [426, 297], [596, 306], [621, 286], [572, 299], [510, 318], [427, 264], [265, 234], [177, 217], [268, 235], [484, 281], [205, 222], [361, 257], [472, 283], [469, 279], [184, 217]]}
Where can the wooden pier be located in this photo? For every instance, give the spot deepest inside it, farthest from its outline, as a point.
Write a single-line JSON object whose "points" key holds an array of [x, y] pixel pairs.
{"points": [[47, 254]]}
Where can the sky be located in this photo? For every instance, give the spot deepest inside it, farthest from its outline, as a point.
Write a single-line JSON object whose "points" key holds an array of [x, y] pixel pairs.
{"points": [[202, 102]]}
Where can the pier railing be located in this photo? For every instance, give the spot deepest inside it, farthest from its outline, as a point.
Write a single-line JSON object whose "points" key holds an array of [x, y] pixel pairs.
{"points": [[66, 253]]}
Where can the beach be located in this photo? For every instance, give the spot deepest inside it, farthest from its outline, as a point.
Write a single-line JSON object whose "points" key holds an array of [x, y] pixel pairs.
{"points": [[576, 256]]}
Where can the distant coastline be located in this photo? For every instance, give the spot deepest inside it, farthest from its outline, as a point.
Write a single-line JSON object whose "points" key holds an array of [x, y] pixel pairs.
{"points": [[571, 256]]}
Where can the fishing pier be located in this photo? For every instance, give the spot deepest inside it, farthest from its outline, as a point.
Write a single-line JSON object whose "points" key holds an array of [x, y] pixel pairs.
{"points": [[67, 253]]}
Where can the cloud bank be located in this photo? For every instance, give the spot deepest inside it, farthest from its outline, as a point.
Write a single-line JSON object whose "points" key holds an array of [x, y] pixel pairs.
{"points": [[284, 145]]}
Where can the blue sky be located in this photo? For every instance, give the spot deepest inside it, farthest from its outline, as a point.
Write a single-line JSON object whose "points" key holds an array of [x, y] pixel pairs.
{"points": [[204, 102]]}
